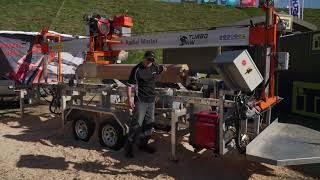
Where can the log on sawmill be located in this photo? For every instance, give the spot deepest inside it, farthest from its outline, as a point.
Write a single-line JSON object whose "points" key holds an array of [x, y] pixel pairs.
{"points": [[175, 72]]}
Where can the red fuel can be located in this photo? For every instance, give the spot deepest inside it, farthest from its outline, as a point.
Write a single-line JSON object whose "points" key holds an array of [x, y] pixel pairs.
{"points": [[206, 130]]}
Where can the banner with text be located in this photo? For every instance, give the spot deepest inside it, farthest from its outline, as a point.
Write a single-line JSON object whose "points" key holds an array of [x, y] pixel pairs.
{"points": [[212, 38]]}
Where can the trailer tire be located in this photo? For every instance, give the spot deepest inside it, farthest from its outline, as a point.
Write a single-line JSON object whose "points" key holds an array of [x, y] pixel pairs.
{"points": [[111, 135], [83, 127]]}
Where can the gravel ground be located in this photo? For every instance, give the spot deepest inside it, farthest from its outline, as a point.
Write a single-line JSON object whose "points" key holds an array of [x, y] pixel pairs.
{"points": [[35, 147]]}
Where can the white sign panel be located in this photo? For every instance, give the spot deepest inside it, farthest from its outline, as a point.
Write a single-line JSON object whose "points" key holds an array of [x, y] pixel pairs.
{"points": [[218, 37]]}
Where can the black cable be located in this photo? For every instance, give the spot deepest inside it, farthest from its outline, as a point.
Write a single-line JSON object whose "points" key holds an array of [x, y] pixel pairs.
{"points": [[238, 100], [55, 102], [91, 99], [237, 120], [46, 94]]}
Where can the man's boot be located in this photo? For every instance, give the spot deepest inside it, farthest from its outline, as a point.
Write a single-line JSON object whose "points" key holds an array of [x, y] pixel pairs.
{"points": [[129, 150], [144, 146]]}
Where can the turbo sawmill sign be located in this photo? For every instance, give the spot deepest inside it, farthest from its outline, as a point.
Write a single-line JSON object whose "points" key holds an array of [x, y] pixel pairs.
{"points": [[218, 37]]}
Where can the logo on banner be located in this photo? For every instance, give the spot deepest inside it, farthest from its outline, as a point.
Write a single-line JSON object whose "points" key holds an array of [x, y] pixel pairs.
{"points": [[295, 8], [191, 39]]}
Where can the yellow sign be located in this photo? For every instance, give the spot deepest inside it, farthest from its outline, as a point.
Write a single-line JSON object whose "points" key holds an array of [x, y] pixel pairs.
{"points": [[306, 99], [56, 47], [287, 20], [316, 42]]}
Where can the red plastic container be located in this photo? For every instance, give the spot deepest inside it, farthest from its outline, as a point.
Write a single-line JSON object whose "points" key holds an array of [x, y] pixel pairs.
{"points": [[206, 130], [125, 21]]}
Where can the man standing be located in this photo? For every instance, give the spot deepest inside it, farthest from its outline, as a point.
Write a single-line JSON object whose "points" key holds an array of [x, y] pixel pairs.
{"points": [[142, 79]]}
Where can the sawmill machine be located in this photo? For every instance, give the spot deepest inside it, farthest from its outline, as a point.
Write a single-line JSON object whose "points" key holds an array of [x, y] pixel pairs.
{"points": [[252, 92], [245, 95]]}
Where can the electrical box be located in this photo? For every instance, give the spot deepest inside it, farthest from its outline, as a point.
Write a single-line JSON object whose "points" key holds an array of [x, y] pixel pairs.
{"points": [[238, 70], [122, 31]]}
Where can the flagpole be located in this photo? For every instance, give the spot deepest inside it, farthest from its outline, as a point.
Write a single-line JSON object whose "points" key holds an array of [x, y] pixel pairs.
{"points": [[302, 10], [289, 6]]}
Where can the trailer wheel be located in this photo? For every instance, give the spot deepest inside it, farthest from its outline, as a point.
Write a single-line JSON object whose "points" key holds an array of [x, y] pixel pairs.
{"points": [[83, 128], [111, 135]]}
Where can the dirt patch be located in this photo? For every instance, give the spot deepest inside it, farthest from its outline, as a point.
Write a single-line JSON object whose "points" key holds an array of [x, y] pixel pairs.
{"points": [[35, 147]]}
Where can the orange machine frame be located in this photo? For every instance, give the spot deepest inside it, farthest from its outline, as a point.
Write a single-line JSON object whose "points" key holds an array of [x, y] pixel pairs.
{"points": [[266, 35], [97, 53], [47, 37]]}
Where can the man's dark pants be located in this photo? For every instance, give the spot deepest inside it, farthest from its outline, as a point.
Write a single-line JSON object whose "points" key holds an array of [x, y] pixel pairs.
{"points": [[142, 122]]}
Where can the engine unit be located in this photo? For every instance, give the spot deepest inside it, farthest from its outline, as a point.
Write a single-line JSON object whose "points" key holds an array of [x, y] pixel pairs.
{"points": [[238, 70]]}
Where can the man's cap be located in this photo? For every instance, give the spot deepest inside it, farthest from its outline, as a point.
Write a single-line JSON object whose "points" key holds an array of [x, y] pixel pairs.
{"points": [[150, 56]]}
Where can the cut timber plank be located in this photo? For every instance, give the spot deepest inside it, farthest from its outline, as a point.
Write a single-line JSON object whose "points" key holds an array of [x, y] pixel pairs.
{"points": [[174, 74]]}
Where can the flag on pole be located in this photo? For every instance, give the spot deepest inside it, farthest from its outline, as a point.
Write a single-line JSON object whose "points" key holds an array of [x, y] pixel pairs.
{"points": [[295, 8]]}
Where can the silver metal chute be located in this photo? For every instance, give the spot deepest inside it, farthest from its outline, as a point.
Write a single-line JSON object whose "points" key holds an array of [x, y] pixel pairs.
{"points": [[285, 144]]}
